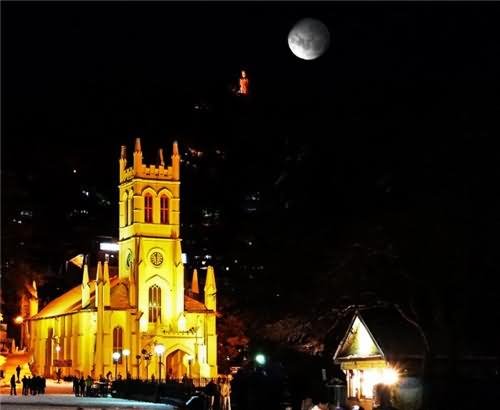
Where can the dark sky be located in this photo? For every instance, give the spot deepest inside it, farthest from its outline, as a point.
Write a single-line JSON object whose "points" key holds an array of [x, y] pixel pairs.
{"points": [[93, 72], [399, 117], [405, 89]]}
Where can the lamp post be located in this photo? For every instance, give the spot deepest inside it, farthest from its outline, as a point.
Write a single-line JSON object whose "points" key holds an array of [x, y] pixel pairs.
{"points": [[58, 349], [138, 358], [126, 353], [116, 357], [147, 357], [159, 350], [19, 322]]}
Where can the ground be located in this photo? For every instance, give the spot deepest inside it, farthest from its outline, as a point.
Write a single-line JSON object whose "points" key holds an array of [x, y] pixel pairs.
{"points": [[57, 394]]}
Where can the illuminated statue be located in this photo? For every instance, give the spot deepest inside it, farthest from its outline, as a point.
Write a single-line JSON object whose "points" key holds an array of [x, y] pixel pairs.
{"points": [[243, 83]]}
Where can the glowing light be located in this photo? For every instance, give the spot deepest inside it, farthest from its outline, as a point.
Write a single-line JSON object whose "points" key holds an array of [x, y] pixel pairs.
{"points": [[365, 346], [126, 352], [58, 348], [390, 376], [116, 356], [260, 359], [109, 246], [159, 349], [19, 320]]}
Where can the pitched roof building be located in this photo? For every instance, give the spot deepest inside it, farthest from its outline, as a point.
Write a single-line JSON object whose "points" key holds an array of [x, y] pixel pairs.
{"points": [[140, 306]]}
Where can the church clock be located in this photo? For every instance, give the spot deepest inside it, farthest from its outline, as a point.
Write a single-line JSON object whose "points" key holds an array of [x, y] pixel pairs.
{"points": [[156, 258]]}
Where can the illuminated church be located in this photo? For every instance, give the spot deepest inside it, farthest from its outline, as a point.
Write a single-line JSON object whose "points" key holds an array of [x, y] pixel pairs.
{"points": [[142, 313]]}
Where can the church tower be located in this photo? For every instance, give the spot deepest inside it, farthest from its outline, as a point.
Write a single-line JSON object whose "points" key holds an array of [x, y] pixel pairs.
{"points": [[150, 247]]}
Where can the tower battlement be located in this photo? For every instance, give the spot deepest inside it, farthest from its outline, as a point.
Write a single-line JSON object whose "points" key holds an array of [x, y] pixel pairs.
{"points": [[141, 170]]}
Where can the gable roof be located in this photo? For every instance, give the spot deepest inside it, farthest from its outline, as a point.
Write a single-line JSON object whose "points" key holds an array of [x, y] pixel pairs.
{"points": [[358, 342], [384, 335]]}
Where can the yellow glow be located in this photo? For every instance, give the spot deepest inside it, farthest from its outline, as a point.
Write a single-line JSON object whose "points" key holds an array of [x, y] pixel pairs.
{"points": [[365, 342], [368, 381], [390, 376], [364, 381], [19, 320], [58, 348], [126, 352]]}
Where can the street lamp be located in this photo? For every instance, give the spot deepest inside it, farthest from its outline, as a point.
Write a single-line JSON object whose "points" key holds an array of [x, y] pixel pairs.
{"points": [[126, 353], [18, 320], [159, 350], [116, 357], [147, 357], [138, 358], [260, 359], [58, 349]]}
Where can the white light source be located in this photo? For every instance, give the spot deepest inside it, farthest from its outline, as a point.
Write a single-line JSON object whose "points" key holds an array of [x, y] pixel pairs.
{"points": [[58, 348], [109, 246], [184, 258], [116, 356], [390, 376], [126, 352], [260, 359], [159, 349]]}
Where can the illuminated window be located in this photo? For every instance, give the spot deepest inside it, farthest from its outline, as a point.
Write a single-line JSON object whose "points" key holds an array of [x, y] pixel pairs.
{"points": [[118, 341], [154, 304], [164, 209], [148, 208]]}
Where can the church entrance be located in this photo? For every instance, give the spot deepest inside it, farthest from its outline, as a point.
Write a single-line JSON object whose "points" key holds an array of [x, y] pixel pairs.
{"points": [[176, 364]]}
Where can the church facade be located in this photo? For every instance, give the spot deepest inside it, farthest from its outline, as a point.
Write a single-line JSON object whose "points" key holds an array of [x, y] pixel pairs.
{"points": [[142, 312]]}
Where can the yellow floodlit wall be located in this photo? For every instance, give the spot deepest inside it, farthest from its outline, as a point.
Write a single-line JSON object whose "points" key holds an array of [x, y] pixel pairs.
{"points": [[81, 322]]}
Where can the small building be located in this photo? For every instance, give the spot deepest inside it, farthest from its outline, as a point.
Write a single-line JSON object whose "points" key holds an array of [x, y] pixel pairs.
{"points": [[380, 349]]}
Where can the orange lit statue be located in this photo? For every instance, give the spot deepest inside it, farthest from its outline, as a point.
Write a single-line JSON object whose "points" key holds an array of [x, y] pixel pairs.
{"points": [[243, 83]]}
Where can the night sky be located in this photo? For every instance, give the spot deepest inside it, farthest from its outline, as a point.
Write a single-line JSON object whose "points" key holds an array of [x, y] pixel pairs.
{"points": [[394, 127]]}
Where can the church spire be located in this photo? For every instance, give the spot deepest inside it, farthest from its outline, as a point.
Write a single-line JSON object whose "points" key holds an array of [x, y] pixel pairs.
{"points": [[176, 161], [33, 300], [210, 289], [195, 290], [160, 156], [107, 285], [85, 284], [138, 155]]}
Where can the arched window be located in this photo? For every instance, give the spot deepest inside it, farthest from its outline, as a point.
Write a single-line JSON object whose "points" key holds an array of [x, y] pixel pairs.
{"points": [[164, 209], [148, 208], [154, 304], [118, 341]]}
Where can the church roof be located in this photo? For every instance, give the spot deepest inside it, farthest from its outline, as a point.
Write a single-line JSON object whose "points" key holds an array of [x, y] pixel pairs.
{"points": [[71, 301], [193, 305]]}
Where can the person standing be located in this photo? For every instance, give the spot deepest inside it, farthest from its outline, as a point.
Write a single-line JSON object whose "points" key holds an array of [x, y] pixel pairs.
{"points": [[82, 386], [25, 385], [13, 385], [76, 386], [225, 393], [211, 392], [18, 371]]}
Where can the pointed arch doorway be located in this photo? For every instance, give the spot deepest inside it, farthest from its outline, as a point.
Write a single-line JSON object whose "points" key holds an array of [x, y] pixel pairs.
{"points": [[177, 364]]}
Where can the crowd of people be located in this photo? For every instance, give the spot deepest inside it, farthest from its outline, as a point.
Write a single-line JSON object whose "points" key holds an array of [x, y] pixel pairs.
{"points": [[31, 385]]}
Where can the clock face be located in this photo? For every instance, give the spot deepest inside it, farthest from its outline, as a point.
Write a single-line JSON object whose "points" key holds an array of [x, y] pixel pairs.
{"points": [[129, 259], [156, 258]]}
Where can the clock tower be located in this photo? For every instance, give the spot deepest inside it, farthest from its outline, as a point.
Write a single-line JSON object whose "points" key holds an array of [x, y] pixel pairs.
{"points": [[150, 257]]}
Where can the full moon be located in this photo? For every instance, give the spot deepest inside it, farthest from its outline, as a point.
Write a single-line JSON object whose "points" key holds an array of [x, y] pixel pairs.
{"points": [[308, 39]]}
